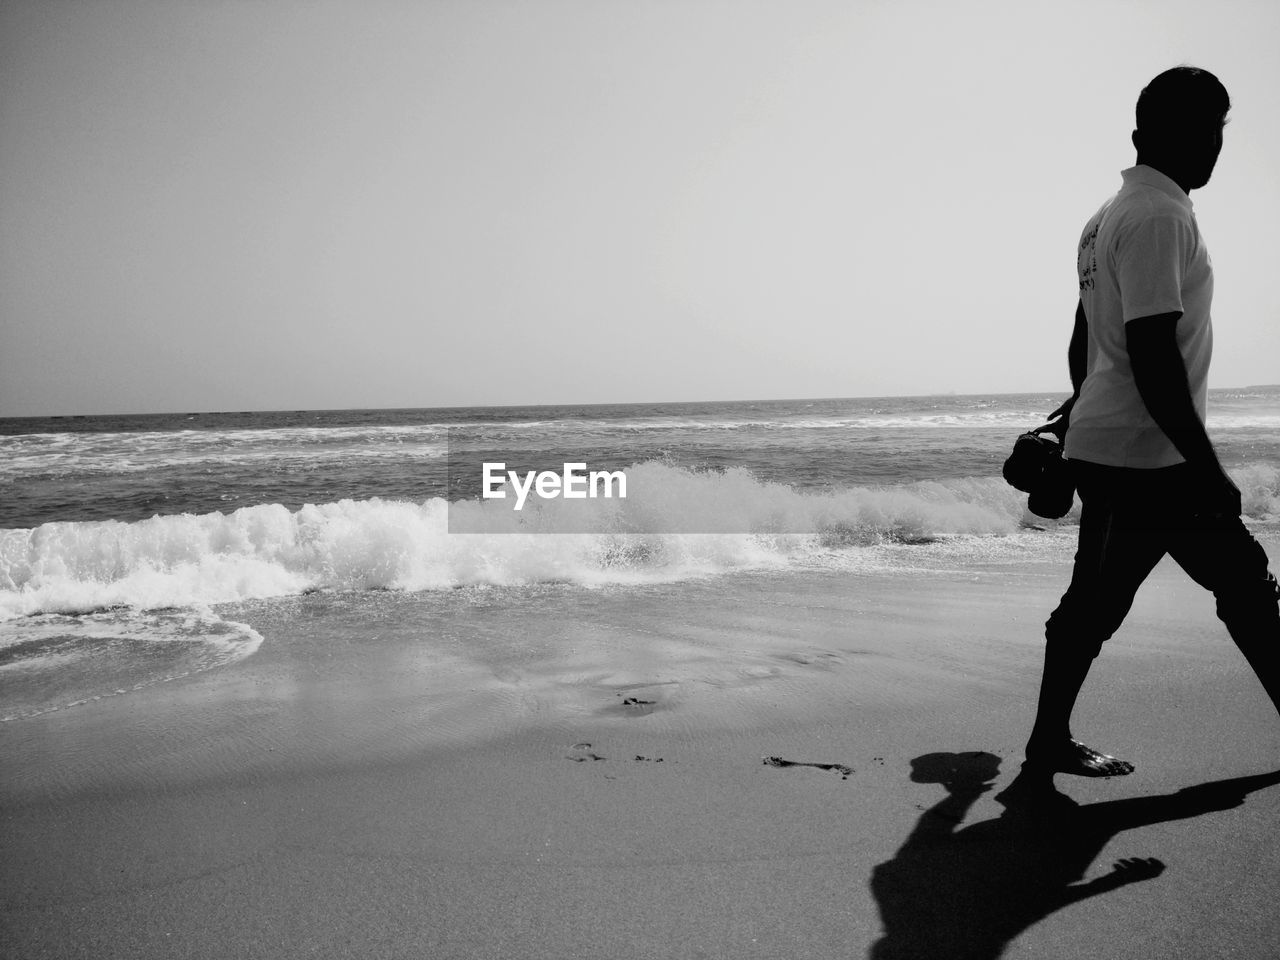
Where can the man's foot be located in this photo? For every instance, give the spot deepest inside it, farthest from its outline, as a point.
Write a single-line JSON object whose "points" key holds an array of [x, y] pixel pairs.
{"points": [[1075, 758]]}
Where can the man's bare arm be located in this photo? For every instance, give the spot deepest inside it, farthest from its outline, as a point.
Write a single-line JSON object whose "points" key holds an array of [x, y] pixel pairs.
{"points": [[1161, 377], [1078, 350], [1077, 363]]}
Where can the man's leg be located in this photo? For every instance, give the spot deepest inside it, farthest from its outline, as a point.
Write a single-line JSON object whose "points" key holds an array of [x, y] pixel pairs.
{"points": [[1221, 555], [1117, 550]]}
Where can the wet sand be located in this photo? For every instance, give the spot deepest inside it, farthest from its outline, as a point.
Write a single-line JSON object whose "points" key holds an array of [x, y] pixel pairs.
{"points": [[775, 766]]}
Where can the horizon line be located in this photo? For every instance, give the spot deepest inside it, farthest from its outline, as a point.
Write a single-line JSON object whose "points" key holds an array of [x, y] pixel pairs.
{"points": [[605, 403]]}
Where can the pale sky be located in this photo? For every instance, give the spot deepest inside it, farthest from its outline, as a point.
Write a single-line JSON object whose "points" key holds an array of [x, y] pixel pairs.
{"points": [[247, 204]]}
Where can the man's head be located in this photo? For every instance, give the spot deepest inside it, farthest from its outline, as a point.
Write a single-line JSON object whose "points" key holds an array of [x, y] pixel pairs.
{"points": [[1180, 117]]}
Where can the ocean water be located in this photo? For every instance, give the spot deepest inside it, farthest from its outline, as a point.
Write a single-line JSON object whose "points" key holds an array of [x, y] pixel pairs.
{"points": [[133, 547]]}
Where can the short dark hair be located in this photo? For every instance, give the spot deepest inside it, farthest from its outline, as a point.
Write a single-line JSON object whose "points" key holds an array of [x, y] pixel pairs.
{"points": [[1180, 96]]}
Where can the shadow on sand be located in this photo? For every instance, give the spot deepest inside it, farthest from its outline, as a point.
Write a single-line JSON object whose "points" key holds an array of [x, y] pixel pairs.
{"points": [[964, 894]]}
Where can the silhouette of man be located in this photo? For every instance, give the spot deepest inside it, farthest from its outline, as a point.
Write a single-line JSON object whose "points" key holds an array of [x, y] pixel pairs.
{"points": [[1147, 474]]}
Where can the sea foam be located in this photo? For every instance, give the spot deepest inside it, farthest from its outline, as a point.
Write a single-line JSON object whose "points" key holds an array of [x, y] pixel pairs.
{"points": [[50, 661], [271, 551]]}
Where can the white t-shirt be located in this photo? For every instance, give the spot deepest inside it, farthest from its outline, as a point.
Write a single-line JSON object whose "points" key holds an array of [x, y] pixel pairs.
{"points": [[1140, 255]]}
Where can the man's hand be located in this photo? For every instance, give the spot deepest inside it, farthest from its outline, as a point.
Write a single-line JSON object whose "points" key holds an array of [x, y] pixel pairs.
{"points": [[1060, 419], [1221, 496]]}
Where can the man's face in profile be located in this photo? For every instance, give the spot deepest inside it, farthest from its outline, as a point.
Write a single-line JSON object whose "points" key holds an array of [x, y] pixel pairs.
{"points": [[1204, 143], [1188, 152]]}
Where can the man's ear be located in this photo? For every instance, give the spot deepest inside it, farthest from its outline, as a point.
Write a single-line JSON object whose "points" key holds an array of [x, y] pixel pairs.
{"points": [[1136, 138]]}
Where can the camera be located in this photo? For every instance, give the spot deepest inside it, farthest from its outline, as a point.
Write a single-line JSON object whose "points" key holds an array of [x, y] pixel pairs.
{"points": [[1037, 467]]}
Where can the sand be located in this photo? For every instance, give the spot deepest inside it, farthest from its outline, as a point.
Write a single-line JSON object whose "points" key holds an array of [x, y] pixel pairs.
{"points": [[607, 795]]}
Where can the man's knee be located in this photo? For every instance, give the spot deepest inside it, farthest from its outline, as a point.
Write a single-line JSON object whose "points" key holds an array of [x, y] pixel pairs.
{"points": [[1249, 601], [1083, 624]]}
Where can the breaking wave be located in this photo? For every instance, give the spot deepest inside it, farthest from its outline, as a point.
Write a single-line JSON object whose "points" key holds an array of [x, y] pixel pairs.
{"points": [[271, 551]]}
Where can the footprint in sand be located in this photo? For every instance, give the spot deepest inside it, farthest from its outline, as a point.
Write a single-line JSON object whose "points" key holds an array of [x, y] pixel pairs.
{"points": [[582, 753], [839, 768], [821, 660], [631, 707]]}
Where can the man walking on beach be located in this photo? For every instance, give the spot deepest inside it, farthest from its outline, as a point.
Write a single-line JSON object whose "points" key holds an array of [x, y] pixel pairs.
{"points": [[1147, 474]]}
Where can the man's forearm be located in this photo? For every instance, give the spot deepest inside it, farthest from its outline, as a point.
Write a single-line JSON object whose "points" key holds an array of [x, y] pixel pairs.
{"points": [[1078, 351], [1161, 378], [1077, 367]]}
